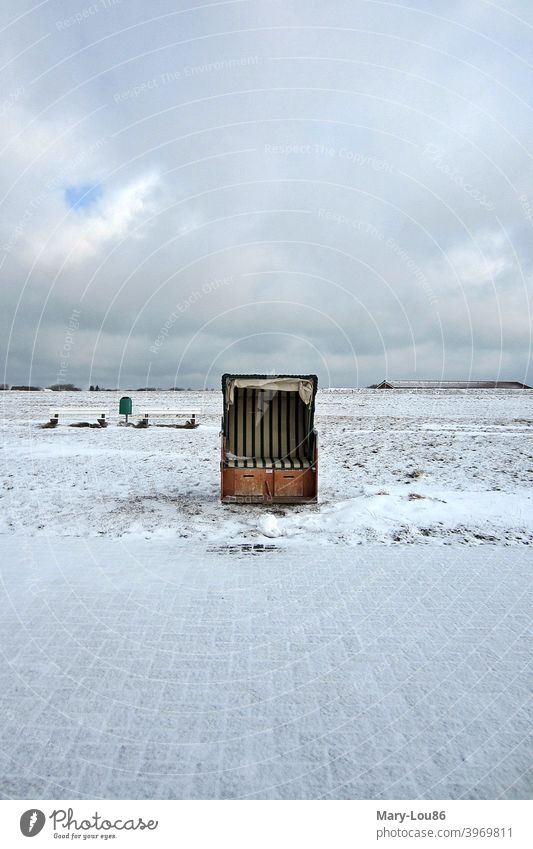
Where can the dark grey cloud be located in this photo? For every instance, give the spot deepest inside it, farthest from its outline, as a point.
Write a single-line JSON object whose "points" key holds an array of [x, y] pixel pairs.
{"points": [[342, 187]]}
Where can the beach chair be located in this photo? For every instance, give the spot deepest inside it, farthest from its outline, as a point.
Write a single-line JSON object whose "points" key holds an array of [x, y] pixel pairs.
{"points": [[268, 442]]}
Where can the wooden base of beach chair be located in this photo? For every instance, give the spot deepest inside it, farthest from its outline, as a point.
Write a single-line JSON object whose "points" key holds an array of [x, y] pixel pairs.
{"points": [[269, 486]]}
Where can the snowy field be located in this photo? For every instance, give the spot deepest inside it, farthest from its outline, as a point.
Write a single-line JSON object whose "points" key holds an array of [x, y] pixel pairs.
{"points": [[395, 467], [157, 644]]}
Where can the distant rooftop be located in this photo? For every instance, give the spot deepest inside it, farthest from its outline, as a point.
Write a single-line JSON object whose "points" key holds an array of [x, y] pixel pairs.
{"points": [[449, 384]]}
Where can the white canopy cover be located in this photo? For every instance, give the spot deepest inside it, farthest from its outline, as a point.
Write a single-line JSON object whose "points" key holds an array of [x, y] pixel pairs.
{"points": [[275, 384]]}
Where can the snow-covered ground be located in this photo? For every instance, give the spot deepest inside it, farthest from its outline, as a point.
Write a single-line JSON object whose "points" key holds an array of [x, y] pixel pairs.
{"points": [[161, 669], [157, 644], [413, 467]]}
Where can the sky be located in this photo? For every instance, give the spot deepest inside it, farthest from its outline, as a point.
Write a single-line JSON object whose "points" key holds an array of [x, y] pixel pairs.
{"points": [[341, 188]]}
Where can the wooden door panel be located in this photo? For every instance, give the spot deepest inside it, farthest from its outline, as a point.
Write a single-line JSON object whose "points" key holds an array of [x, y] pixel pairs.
{"points": [[249, 481], [287, 482]]}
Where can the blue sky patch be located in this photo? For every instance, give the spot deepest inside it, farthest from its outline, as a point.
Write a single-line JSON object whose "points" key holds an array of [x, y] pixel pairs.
{"points": [[80, 197]]}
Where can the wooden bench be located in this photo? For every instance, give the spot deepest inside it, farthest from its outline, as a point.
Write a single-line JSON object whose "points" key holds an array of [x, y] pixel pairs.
{"points": [[98, 412], [175, 413]]}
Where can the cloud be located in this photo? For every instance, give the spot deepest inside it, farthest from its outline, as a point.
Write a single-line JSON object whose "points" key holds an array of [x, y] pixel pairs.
{"points": [[409, 129], [86, 233]]}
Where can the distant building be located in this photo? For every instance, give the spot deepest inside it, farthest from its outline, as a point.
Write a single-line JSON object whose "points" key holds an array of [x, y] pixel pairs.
{"points": [[449, 384], [27, 388]]}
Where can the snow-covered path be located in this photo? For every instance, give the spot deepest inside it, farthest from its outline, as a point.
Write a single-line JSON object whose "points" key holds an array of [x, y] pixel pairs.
{"points": [[158, 669]]}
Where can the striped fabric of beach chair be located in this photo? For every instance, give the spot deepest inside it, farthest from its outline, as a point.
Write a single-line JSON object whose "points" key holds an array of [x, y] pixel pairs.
{"points": [[269, 450]]}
